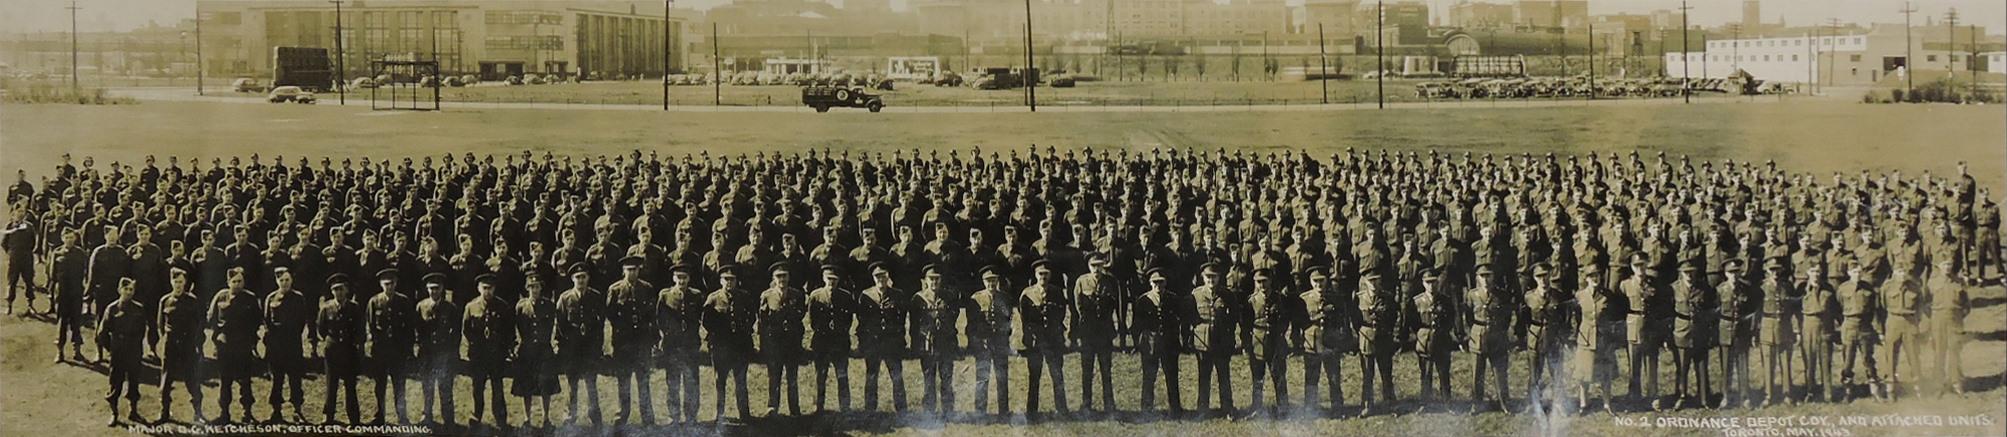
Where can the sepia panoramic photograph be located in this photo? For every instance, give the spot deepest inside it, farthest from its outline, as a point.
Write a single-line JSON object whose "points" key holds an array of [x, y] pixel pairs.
{"points": [[1733, 218]]}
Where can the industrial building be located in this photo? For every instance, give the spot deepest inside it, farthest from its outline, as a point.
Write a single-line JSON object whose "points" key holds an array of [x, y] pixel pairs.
{"points": [[491, 38], [1857, 56]]}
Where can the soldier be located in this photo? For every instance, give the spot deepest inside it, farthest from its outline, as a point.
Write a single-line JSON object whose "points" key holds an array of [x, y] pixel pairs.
{"points": [[1858, 307], [728, 322], [233, 326], [535, 324], [1159, 325], [1548, 320], [881, 329], [1213, 336], [782, 307], [1819, 317], [989, 332], [1042, 323], [1096, 306], [19, 240], [1778, 330], [489, 336], [936, 308], [108, 263], [580, 326], [1902, 330], [338, 325], [1598, 337], [180, 353], [630, 309], [287, 314], [122, 330], [1439, 333], [438, 328], [1490, 320], [1378, 315], [393, 324], [68, 273], [679, 313], [1694, 326], [1269, 325], [1327, 336], [1741, 307], [1949, 303]]}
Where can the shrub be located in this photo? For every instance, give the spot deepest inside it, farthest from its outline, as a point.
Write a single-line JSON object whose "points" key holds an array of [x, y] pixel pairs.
{"points": [[51, 92]]}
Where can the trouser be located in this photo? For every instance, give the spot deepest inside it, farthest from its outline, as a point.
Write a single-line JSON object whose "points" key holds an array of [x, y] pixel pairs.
{"points": [[242, 381], [1818, 357], [582, 381], [1435, 369], [1861, 352], [1777, 363], [1322, 366], [20, 275], [179, 365], [1380, 364], [897, 368], [1498, 363], [124, 379], [630, 382], [339, 370], [1270, 370], [1947, 339], [823, 364], [784, 373], [285, 373], [389, 372], [1156, 359], [69, 323], [437, 386], [1037, 362], [488, 393], [1213, 366], [1734, 371], [681, 388], [1899, 350], [1692, 369], [937, 377], [736, 372], [1644, 357], [1089, 358], [1544, 365], [992, 364]]}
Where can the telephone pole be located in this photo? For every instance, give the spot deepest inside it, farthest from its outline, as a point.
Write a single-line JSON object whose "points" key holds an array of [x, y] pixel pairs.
{"points": [[1908, 54], [75, 87], [1592, 60], [200, 71], [665, 53], [1030, 84], [1323, 66], [1380, 48], [1951, 42], [717, 70], [341, 57], [1685, 54]]}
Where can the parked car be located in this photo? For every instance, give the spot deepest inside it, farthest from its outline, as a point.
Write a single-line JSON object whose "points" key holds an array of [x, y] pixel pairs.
{"points": [[291, 94], [247, 85], [824, 97]]}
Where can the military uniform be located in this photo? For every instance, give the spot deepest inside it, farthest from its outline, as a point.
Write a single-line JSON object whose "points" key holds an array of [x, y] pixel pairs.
{"points": [[1490, 320], [782, 308], [1095, 302], [1379, 312], [1042, 311], [630, 309], [729, 315], [68, 270], [1598, 336], [938, 342], [489, 336], [234, 318], [1212, 324], [287, 313], [1859, 307], [180, 326], [1548, 323], [536, 371], [122, 331], [580, 331], [881, 331], [679, 313], [1437, 333], [830, 318], [1741, 310], [1819, 314], [1159, 324], [1269, 324], [438, 327], [1777, 331], [1694, 327], [1949, 304], [339, 325], [990, 312]]}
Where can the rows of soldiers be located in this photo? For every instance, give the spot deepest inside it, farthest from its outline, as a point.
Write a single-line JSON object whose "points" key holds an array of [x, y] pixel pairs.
{"points": [[547, 273]]}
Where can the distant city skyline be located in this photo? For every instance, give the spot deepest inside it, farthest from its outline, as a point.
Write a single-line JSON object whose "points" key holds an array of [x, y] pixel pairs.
{"points": [[29, 16]]}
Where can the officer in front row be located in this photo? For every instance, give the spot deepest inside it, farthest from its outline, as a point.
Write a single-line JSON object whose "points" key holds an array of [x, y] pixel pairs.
{"points": [[990, 311], [1159, 324], [728, 325], [490, 335], [580, 331], [1042, 311], [181, 344], [392, 330], [438, 330], [881, 331], [1212, 323], [1327, 324], [781, 309], [287, 312], [679, 313], [234, 316], [122, 330], [936, 309], [338, 326]]}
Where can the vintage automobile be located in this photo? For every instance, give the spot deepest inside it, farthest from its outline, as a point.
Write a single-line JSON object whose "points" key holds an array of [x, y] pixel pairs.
{"points": [[824, 97], [247, 85], [291, 94]]}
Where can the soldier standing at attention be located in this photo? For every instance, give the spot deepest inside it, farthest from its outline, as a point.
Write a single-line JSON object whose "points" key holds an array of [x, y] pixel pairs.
{"points": [[935, 310], [1490, 319], [1212, 323], [1437, 337], [287, 315], [782, 308], [830, 318], [233, 326], [1042, 320], [630, 309], [881, 330], [1949, 303], [1741, 306], [1693, 331], [1379, 312], [122, 330], [1598, 336], [580, 327], [1902, 327], [1158, 325], [438, 346], [180, 345], [728, 325], [989, 331], [679, 313], [1819, 314], [1095, 300], [489, 335], [535, 373], [339, 326], [1546, 331], [1269, 353], [68, 270], [1778, 330], [1327, 336], [1858, 306]]}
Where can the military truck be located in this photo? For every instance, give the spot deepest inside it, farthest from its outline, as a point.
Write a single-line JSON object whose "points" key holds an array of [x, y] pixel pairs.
{"points": [[824, 97]]}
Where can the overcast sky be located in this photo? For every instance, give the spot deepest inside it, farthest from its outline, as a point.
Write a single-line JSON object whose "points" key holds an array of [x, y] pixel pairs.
{"points": [[101, 15]]}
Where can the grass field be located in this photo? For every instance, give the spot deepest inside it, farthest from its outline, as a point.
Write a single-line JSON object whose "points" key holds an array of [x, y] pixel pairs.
{"points": [[1809, 136]]}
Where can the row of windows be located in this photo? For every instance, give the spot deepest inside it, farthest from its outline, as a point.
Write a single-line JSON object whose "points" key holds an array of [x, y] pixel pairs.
{"points": [[523, 17], [1782, 42], [525, 42]]}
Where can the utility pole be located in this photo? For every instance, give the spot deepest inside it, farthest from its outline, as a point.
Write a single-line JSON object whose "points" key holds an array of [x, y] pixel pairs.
{"points": [[1323, 67], [341, 57], [1592, 60], [1811, 58], [1735, 46], [1833, 33], [1030, 85], [1380, 48], [200, 70], [665, 54], [717, 70], [1908, 54], [75, 87], [1685, 54], [1264, 56], [1951, 42]]}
